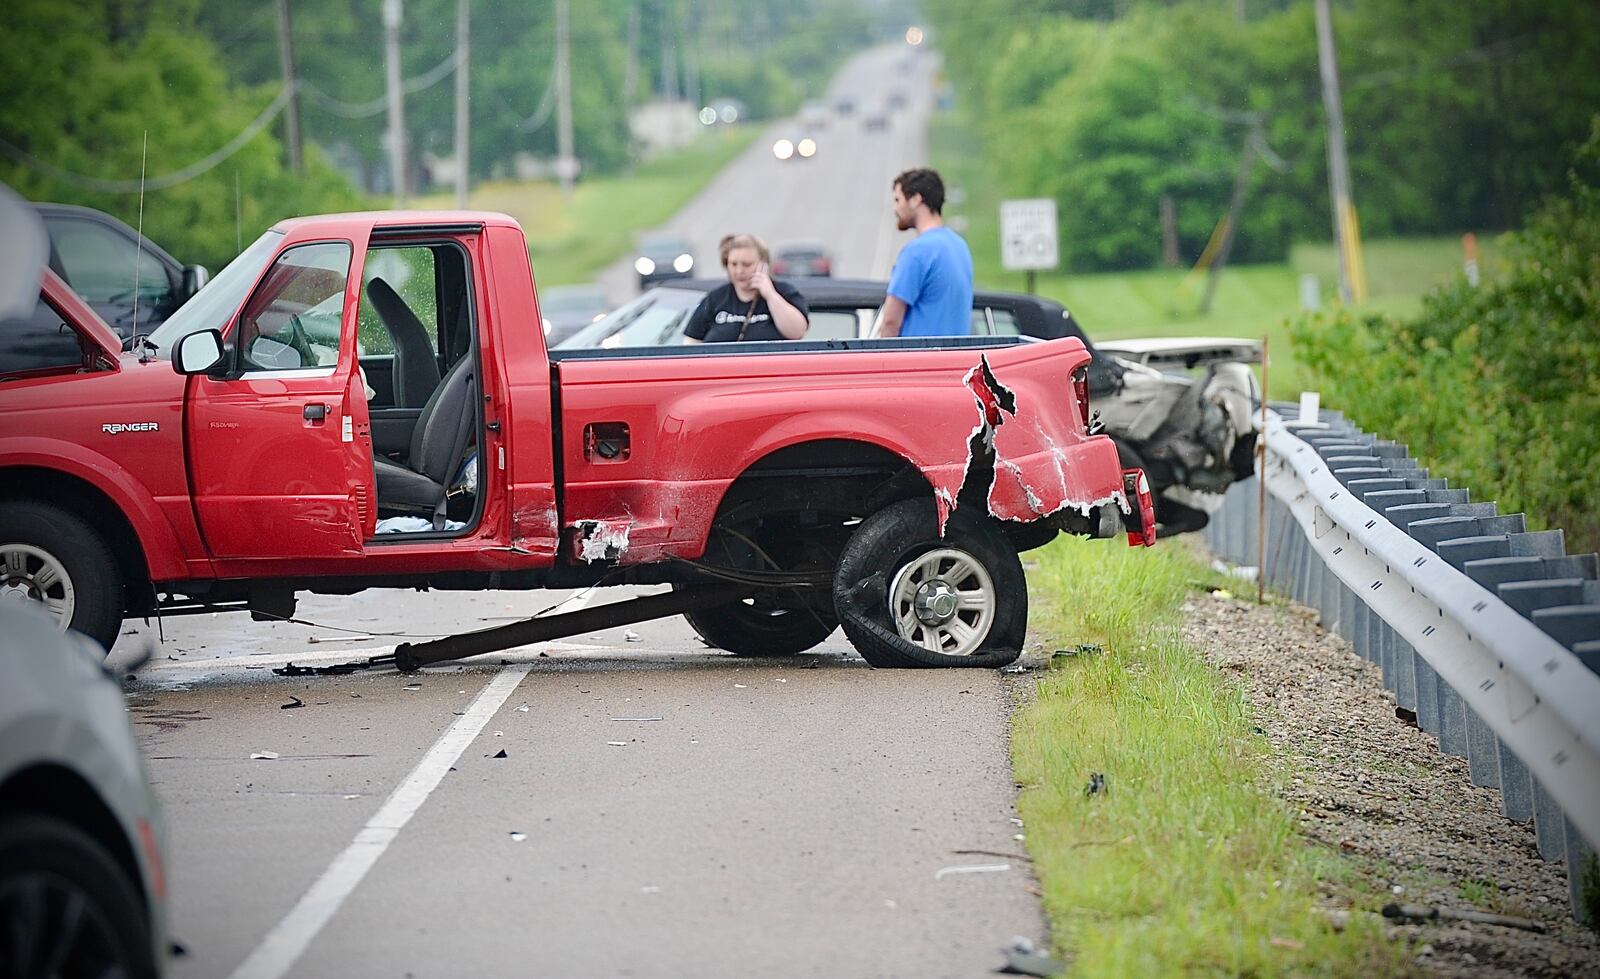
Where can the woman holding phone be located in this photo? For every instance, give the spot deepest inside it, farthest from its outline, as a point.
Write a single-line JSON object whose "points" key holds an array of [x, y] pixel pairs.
{"points": [[752, 306]]}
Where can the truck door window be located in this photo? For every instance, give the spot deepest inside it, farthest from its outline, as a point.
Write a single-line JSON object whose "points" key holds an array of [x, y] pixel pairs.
{"points": [[412, 273], [37, 342], [293, 320]]}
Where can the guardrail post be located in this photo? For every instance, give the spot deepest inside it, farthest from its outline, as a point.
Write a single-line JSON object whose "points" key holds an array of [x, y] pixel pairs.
{"points": [[1483, 752], [1579, 868], [1516, 786], [1549, 824], [1452, 721]]}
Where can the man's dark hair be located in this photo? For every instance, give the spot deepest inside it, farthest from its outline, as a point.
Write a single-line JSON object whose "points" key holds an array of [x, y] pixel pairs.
{"points": [[925, 182]]}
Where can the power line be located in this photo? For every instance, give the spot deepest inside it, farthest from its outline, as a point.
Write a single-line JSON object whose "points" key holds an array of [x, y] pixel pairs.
{"points": [[362, 110], [188, 173]]}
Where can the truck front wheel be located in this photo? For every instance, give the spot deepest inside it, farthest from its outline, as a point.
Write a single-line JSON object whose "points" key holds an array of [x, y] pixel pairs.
{"points": [[51, 556], [910, 598]]}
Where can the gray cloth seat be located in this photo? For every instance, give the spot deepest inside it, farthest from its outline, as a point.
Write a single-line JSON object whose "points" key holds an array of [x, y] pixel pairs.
{"points": [[416, 365], [437, 443]]}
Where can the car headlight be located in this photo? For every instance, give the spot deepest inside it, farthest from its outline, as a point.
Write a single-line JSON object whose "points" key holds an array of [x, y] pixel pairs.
{"points": [[783, 149], [683, 263], [546, 325], [807, 147], [597, 317], [645, 266]]}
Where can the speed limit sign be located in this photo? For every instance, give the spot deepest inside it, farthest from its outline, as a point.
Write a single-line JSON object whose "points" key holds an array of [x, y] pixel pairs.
{"points": [[1028, 236]]}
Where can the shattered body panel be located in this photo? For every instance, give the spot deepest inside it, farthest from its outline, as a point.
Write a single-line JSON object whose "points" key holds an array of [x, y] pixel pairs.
{"points": [[698, 423]]}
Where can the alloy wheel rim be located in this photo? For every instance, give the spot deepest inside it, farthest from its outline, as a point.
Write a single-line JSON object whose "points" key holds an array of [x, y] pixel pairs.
{"points": [[28, 574], [943, 601]]}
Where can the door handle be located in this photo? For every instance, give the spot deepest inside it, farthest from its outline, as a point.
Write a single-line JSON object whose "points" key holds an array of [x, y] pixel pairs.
{"points": [[314, 412]]}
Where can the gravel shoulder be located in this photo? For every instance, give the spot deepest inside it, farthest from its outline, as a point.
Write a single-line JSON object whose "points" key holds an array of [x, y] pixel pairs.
{"points": [[1394, 814]]}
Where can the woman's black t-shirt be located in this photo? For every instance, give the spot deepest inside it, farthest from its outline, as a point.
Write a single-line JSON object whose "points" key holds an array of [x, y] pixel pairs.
{"points": [[721, 315]]}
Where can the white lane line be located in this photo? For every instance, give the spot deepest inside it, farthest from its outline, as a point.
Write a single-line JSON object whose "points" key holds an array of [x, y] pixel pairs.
{"points": [[289, 939]]}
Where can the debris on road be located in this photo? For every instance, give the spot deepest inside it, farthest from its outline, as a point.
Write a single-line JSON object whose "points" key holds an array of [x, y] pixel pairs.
{"points": [[1022, 959], [1081, 649], [987, 868], [292, 704], [636, 718], [631, 636], [1417, 912], [263, 755], [500, 754], [518, 837], [617, 744], [521, 708]]}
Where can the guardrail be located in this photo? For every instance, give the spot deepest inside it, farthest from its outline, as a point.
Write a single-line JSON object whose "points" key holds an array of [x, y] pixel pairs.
{"points": [[1489, 633]]}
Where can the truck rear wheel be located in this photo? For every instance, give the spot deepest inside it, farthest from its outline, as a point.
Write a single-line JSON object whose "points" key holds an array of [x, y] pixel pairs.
{"points": [[909, 598], [55, 558]]}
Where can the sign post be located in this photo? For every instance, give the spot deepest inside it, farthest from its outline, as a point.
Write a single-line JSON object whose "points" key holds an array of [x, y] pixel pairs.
{"points": [[1029, 239]]}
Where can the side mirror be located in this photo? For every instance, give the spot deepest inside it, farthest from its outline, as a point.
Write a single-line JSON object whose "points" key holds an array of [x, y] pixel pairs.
{"points": [[198, 353], [194, 279]]}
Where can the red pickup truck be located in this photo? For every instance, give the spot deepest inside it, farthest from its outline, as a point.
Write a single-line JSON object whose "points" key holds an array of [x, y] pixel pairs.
{"points": [[366, 400]]}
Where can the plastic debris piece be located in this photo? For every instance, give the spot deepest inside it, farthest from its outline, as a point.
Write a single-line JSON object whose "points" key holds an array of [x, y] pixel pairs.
{"points": [[985, 868], [631, 636], [499, 734], [650, 889], [617, 744], [739, 686], [500, 754], [1017, 668], [292, 704], [1097, 784], [263, 755], [518, 837], [521, 708], [413, 687], [779, 679], [352, 797], [636, 718], [1022, 959]]}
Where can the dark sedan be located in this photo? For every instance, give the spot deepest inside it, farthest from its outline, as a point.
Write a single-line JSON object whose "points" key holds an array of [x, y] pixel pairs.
{"points": [[129, 280]]}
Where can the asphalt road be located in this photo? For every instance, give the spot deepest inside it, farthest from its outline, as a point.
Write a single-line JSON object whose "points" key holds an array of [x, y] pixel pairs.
{"points": [[661, 809], [841, 197]]}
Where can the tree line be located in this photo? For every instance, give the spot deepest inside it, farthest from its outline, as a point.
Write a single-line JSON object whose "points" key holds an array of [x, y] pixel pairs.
{"points": [[1458, 116], [116, 88]]}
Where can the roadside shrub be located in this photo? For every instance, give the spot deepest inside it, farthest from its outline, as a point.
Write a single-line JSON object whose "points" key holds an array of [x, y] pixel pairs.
{"points": [[1497, 387]]}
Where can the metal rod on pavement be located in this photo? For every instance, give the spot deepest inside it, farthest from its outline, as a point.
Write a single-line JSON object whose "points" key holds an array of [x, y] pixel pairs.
{"points": [[409, 657]]}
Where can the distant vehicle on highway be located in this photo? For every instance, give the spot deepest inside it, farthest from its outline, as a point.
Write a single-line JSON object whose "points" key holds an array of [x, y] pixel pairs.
{"points": [[814, 114], [875, 122], [801, 258], [108, 264], [801, 148], [663, 256], [568, 309], [897, 99], [82, 887], [1193, 435], [844, 105]]}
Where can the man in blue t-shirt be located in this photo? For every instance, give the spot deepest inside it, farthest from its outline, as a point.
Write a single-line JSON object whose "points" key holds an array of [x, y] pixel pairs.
{"points": [[930, 289]]}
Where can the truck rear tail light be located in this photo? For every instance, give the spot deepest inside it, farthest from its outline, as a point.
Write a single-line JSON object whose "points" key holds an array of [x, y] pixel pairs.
{"points": [[1080, 390], [1141, 523]]}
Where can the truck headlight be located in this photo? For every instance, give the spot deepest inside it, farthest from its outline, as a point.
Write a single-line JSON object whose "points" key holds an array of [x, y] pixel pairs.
{"points": [[645, 266]]}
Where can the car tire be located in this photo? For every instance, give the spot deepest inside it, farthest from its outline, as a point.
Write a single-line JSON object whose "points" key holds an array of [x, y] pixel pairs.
{"points": [[51, 870], [58, 558], [748, 629], [896, 560]]}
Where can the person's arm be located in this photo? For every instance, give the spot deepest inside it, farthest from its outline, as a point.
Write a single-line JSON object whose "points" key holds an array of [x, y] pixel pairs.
{"points": [[790, 322], [891, 316]]}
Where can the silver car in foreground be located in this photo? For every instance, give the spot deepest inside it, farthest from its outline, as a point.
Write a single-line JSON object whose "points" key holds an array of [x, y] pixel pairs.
{"points": [[82, 891]]}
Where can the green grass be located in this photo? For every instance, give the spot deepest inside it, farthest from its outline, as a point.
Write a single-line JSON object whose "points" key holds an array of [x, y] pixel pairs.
{"points": [[1251, 300], [571, 241], [1188, 863]]}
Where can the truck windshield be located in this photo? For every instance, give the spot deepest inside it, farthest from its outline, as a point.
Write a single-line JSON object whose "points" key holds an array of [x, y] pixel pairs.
{"points": [[213, 306]]}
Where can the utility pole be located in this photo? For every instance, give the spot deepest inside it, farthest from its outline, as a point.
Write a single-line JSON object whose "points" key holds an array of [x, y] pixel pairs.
{"points": [[291, 115], [630, 72], [669, 57], [566, 164], [1338, 164], [463, 93], [397, 100]]}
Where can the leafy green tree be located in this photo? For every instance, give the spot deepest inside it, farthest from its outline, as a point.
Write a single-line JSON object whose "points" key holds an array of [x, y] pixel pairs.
{"points": [[105, 80]]}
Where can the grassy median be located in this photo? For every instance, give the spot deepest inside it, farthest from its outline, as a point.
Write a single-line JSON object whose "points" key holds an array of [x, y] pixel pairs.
{"points": [[1185, 862]]}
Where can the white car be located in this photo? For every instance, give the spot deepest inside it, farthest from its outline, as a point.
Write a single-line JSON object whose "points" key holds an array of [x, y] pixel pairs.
{"points": [[82, 890]]}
